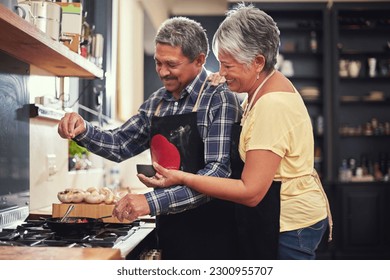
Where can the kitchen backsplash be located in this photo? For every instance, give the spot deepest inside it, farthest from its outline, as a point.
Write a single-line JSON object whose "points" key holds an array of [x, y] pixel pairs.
{"points": [[14, 133], [27, 144]]}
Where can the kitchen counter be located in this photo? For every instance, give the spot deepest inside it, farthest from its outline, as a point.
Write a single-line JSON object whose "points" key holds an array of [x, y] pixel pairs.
{"points": [[58, 253]]}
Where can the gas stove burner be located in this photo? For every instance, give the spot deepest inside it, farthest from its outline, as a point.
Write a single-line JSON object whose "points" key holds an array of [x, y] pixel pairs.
{"points": [[105, 235], [36, 233]]}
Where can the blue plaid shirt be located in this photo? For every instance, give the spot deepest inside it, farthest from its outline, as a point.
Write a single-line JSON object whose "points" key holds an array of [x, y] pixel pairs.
{"points": [[218, 110]]}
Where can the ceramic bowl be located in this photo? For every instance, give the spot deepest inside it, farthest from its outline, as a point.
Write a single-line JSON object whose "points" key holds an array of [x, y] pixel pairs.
{"points": [[146, 169]]}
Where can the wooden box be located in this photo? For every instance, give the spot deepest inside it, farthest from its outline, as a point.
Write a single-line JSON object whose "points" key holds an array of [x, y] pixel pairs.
{"points": [[86, 210]]}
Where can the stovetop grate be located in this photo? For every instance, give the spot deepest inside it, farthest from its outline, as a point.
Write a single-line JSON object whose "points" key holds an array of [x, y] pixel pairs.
{"points": [[12, 215], [35, 233]]}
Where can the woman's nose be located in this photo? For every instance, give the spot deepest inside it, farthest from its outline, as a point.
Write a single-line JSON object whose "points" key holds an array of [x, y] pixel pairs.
{"points": [[222, 72]]}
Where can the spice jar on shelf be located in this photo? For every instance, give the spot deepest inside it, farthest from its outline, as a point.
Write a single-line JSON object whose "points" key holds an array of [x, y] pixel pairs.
{"points": [[313, 42]]}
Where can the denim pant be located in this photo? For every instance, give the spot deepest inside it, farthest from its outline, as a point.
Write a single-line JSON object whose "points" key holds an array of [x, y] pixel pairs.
{"points": [[301, 244]]}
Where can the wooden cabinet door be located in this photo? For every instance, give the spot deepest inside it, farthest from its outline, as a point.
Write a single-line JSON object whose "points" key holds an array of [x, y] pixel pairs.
{"points": [[362, 218]]}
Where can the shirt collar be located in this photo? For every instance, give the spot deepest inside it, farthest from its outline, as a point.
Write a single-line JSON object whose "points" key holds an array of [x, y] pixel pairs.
{"points": [[192, 88]]}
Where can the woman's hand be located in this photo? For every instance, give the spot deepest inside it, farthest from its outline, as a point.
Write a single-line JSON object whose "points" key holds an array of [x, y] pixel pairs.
{"points": [[164, 177], [216, 79]]}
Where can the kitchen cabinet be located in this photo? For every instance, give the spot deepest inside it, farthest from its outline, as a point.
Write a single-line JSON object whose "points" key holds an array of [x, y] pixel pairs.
{"points": [[360, 129], [361, 71], [362, 221], [22, 40]]}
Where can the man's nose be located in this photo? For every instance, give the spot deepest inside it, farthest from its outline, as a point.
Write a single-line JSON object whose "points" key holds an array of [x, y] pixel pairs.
{"points": [[164, 71]]}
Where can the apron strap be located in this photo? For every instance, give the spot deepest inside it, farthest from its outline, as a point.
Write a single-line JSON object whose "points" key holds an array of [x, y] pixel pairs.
{"points": [[196, 106], [157, 112], [198, 99], [330, 219], [249, 106], [314, 174]]}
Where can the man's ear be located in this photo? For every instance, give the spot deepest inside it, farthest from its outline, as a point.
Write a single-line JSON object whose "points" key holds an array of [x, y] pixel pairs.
{"points": [[200, 60]]}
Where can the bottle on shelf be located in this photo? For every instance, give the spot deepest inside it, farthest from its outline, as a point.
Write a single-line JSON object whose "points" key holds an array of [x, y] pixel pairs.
{"points": [[345, 173], [320, 125], [86, 37], [313, 42], [114, 181]]}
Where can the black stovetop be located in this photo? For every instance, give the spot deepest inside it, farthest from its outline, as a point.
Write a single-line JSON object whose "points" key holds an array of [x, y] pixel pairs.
{"points": [[36, 233]]}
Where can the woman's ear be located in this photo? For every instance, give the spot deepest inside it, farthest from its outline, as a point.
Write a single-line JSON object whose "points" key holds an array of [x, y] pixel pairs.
{"points": [[259, 62]]}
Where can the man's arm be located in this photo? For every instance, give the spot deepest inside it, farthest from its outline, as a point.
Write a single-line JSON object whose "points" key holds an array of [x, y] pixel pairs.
{"points": [[124, 142]]}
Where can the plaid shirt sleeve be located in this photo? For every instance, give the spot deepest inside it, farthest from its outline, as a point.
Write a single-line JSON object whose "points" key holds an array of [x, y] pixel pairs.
{"points": [[216, 115], [124, 142]]}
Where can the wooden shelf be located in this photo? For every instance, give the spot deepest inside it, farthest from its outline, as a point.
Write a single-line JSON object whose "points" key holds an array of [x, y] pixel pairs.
{"points": [[22, 40], [39, 111]]}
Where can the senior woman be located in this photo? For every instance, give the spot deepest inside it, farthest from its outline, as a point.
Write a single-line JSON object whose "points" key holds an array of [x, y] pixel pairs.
{"points": [[282, 208]]}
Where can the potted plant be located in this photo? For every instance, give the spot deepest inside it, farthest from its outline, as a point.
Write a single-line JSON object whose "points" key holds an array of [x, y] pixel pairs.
{"points": [[78, 157]]}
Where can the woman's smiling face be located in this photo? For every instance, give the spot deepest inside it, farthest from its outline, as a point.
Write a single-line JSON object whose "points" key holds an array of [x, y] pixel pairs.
{"points": [[239, 77]]}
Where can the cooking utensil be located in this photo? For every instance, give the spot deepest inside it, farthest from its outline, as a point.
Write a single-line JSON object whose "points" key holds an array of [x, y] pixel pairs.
{"points": [[70, 208], [73, 225], [105, 217]]}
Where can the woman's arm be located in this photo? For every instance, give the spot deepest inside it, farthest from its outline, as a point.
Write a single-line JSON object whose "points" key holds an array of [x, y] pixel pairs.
{"points": [[259, 170]]}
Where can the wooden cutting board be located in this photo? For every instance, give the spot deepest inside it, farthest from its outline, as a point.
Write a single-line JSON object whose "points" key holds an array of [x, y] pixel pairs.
{"points": [[86, 210]]}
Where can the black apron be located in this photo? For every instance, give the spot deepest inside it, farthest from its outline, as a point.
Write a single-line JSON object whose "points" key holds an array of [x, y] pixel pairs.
{"points": [[207, 231], [259, 226]]}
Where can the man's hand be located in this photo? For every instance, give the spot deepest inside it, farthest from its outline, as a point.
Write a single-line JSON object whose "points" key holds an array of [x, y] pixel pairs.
{"points": [[71, 125], [130, 207]]}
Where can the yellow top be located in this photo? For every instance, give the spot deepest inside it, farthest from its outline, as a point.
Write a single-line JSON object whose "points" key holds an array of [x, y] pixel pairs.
{"points": [[279, 122]]}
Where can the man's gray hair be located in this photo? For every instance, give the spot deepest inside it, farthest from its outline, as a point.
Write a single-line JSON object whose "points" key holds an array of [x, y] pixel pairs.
{"points": [[185, 33], [247, 32]]}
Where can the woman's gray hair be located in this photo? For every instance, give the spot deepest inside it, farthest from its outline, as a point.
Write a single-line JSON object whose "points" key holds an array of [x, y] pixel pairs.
{"points": [[247, 32], [185, 33]]}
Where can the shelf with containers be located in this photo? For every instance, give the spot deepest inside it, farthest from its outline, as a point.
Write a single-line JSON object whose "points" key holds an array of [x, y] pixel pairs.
{"points": [[24, 41], [361, 129], [361, 55]]}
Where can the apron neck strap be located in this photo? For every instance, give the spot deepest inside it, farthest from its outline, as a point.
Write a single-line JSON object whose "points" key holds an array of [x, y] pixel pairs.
{"points": [[198, 99], [249, 106]]}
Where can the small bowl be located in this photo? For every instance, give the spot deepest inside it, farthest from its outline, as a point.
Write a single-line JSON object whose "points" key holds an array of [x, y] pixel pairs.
{"points": [[146, 169]]}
